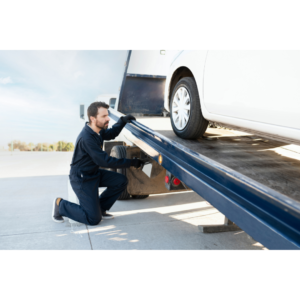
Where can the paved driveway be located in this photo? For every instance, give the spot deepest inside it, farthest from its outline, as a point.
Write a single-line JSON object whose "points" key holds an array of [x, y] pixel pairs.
{"points": [[30, 181]]}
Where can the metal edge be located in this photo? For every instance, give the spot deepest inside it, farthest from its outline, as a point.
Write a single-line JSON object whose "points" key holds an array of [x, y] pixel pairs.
{"points": [[124, 78]]}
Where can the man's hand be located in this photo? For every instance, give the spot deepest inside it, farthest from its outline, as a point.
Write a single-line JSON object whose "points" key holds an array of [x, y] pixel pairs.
{"points": [[137, 163], [126, 119]]}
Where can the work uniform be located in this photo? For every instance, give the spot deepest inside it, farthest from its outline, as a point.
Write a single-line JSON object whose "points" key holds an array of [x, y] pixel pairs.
{"points": [[86, 177]]}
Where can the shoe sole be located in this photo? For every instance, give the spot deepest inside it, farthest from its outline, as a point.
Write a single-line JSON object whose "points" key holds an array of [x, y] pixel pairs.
{"points": [[53, 208], [107, 218]]}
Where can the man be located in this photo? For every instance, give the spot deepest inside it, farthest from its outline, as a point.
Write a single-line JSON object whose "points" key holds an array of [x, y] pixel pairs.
{"points": [[85, 175]]}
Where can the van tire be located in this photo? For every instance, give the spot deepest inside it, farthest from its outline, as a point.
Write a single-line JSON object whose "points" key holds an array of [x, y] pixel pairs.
{"points": [[196, 124]]}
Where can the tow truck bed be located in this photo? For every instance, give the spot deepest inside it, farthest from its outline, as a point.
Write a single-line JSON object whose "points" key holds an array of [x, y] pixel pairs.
{"points": [[251, 180]]}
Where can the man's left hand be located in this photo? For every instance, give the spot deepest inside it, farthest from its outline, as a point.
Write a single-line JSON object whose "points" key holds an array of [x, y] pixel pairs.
{"points": [[128, 118]]}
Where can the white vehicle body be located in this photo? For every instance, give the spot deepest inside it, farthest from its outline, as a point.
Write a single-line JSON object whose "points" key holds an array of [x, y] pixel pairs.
{"points": [[258, 91]]}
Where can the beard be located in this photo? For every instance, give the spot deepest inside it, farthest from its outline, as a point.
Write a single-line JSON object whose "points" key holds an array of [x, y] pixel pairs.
{"points": [[102, 125]]}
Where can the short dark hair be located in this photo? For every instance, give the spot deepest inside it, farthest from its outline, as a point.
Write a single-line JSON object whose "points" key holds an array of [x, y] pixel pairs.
{"points": [[92, 110]]}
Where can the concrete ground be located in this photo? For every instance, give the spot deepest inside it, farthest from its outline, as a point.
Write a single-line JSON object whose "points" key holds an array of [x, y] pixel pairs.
{"points": [[29, 181]]}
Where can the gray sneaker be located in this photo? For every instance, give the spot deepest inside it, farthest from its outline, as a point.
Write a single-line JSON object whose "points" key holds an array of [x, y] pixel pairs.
{"points": [[106, 216], [56, 217]]}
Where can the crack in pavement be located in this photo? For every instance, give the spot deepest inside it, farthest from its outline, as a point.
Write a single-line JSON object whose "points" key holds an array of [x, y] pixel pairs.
{"points": [[89, 237]]}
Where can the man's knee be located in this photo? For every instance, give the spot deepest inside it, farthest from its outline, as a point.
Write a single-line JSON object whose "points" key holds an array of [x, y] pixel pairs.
{"points": [[122, 180], [94, 218], [94, 221], [125, 180]]}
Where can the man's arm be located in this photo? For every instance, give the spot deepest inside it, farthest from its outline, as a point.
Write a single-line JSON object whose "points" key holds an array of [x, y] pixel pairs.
{"points": [[101, 158], [114, 131], [111, 133]]}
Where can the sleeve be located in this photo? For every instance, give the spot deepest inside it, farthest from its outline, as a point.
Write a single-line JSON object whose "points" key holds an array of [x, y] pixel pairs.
{"points": [[101, 158], [111, 133]]}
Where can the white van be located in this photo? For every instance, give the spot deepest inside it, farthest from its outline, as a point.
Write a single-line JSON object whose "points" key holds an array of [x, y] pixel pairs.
{"points": [[255, 91]]}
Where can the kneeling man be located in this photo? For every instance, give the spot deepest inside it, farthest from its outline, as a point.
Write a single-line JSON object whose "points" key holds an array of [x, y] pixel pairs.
{"points": [[85, 175]]}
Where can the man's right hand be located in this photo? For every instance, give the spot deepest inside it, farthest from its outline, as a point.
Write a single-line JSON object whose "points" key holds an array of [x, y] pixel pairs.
{"points": [[136, 163], [127, 118]]}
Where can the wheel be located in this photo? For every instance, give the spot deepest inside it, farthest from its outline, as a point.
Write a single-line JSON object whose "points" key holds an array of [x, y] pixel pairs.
{"points": [[186, 116], [139, 196], [120, 152]]}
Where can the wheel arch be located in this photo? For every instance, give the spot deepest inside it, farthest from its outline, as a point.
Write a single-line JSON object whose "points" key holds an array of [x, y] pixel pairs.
{"points": [[179, 73]]}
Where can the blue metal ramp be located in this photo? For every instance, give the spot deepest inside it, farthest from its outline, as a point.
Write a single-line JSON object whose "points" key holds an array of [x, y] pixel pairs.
{"points": [[271, 218]]}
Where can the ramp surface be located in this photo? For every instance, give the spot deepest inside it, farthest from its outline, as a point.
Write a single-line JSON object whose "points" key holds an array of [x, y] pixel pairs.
{"points": [[270, 162]]}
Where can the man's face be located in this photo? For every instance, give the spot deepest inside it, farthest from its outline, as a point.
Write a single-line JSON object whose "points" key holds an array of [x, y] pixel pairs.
{"points": [[102, 119]]}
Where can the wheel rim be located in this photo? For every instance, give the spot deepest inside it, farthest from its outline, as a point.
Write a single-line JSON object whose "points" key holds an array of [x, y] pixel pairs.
{"points": [[181, 107]]}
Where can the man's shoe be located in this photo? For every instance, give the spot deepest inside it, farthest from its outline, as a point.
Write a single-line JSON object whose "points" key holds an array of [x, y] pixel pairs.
{"points": [[106, 216], [56, 217]]}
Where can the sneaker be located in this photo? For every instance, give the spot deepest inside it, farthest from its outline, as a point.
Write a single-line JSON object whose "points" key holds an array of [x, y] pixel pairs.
{"points": [[106, 216], [56, 217]]}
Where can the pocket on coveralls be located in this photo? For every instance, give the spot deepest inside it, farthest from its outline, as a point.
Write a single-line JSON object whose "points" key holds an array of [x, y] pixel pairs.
{"points": [[89, 181]]}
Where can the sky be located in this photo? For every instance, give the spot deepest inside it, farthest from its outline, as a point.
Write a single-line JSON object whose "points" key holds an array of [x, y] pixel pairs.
{"points": [[40, 91]]}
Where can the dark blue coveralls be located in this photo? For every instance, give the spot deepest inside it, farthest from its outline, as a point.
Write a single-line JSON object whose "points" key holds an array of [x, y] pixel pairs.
{"points": [[85, 176]]}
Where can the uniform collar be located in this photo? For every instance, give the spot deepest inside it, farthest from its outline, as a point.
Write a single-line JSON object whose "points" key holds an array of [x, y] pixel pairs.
{"points": [[90, 130]]}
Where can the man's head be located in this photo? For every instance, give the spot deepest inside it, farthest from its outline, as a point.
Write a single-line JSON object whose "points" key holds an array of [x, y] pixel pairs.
{"points": [[98, 115]]}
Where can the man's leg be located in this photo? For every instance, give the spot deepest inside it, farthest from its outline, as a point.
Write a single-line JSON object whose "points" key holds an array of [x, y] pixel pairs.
{"points": [[116, 183], [88, 212]]}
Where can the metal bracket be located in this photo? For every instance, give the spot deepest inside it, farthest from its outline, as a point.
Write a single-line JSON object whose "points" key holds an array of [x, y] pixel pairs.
{"points": [[227, 226]]}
